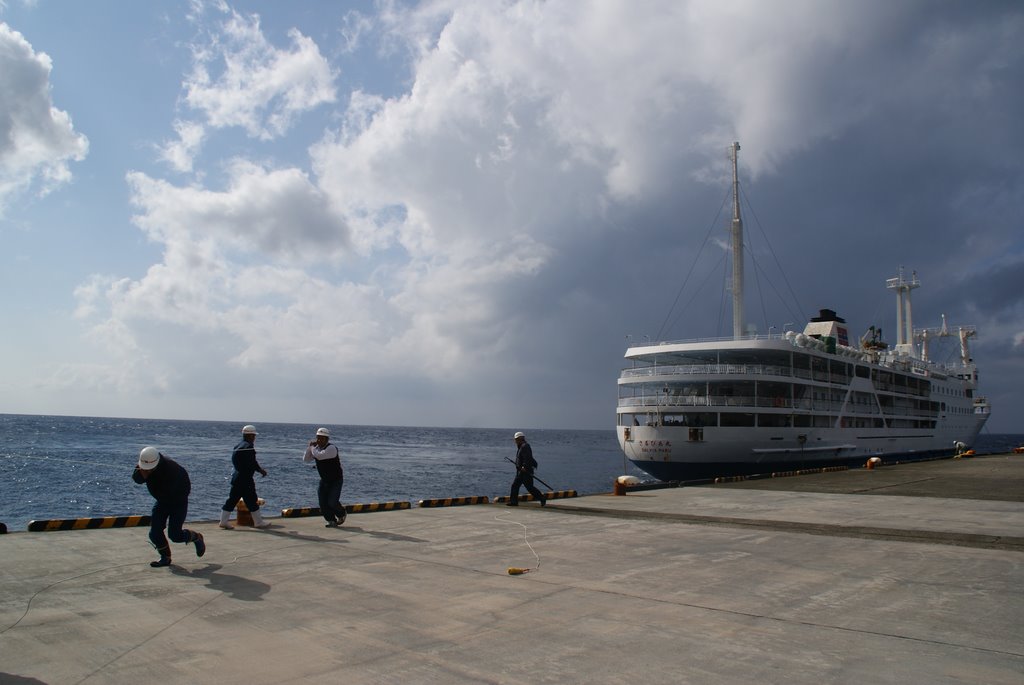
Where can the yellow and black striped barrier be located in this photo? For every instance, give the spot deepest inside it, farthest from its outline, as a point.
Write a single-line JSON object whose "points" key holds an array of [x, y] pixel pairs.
{"points": [[730, 479], [454, 501], [376, 506], [295, 512], [557, 494], [88, 524]]}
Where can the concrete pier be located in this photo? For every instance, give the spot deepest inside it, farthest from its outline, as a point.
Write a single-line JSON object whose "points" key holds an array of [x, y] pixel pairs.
{"points": [[719, 584]]}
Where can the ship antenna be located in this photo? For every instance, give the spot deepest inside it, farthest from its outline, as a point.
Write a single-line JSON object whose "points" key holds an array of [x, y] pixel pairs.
{"points": [[737, 246]]}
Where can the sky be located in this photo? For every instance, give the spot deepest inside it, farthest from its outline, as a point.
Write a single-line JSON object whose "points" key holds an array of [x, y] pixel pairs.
{"points": [[460, 213]]}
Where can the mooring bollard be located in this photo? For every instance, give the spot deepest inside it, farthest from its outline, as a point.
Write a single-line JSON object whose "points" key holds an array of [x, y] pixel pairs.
{"points": [[244, 517], [622, 484]]}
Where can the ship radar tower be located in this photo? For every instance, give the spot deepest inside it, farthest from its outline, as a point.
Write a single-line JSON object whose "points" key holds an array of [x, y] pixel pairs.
{"points": [[904, 319]]}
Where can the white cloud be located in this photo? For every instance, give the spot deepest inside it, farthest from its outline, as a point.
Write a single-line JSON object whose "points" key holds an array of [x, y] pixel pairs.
{"points": [[179, 153], [257, 86], [224, 274], [278, 214], [37, 140], [442, 235], [355, 26]]}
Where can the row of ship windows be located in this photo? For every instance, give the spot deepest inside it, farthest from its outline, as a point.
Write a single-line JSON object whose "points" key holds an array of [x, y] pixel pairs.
{"points": [[884, 381], [745, 420], [834, 372], [768, 394], [813, 402]]}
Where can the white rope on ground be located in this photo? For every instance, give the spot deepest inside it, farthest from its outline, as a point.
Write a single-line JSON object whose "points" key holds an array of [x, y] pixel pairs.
{"points": [[513, 570]]}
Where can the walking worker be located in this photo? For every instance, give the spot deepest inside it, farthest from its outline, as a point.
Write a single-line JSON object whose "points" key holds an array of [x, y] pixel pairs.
{"points": [[525, 465], [170, 486], [328, 465], [243, 461]]}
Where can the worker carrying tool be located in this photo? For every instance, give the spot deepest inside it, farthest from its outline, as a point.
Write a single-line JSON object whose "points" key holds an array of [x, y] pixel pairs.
{"points": [[525, 466]]}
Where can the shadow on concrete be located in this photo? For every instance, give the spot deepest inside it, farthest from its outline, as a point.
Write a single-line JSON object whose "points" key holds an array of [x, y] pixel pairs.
{"points": [[11, 679], [384, 536], [294, 535], [235, 587], [291, 534]]}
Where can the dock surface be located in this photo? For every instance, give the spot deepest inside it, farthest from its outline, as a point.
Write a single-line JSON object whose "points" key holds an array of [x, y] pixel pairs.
{"points": [[789, 582]]}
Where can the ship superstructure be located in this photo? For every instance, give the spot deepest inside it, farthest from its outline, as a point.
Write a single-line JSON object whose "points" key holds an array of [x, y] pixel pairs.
{"points": [[757, 403]]}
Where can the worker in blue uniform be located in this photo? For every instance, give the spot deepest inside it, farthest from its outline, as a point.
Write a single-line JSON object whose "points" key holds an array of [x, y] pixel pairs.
{"points": [[170, 486]]}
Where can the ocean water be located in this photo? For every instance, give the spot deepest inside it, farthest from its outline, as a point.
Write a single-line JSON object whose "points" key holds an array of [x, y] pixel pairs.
{"points": [[76, 467]]}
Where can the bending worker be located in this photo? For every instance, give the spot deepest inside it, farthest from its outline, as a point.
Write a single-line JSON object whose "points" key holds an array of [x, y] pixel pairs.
{"points": [[525, 465], [243, 461], [328, 465], [170, 486]]}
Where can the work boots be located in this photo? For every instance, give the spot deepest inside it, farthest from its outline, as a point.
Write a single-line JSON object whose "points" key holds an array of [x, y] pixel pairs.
{"points": [[165, 557], [197, 540], [257, 520]]}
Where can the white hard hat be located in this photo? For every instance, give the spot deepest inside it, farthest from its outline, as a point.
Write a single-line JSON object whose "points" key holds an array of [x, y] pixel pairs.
{"points": [[148, 458], [249, 429], [518, 435], [324, 432]]}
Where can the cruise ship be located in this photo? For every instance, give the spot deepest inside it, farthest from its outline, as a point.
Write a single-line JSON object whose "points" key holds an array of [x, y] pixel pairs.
{"points": [[755, 403]]}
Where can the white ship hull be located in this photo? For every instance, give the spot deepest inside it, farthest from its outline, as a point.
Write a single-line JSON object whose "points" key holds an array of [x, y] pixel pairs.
{"points": [[753, 403], [701, 409], [667, 453]]}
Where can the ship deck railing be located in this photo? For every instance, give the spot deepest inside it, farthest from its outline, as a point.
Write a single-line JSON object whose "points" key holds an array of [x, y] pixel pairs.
{"points": [[763, 370], [918, 367], [691, 341], [670, 403], [733, 370], [714, 369]]}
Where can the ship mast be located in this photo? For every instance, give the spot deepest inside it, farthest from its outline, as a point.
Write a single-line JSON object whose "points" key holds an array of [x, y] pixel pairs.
{"points": [[737, 246], [904, 317]]}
